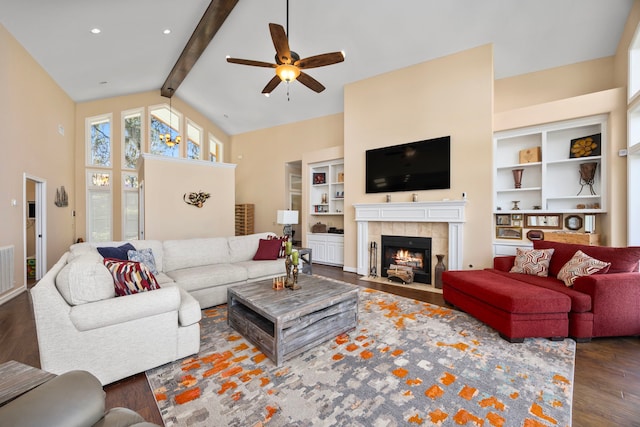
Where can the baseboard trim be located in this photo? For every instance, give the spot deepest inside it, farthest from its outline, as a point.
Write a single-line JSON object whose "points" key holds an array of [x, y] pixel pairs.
{"points": [[12, 294]]}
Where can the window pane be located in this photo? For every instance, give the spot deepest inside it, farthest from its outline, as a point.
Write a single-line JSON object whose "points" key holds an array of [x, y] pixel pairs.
{"points": [[215, 150], [160, 119], [194, 134], [129, 182], [130, 215], [132, 140], [100, 143], [99, 216], [100, 179]]}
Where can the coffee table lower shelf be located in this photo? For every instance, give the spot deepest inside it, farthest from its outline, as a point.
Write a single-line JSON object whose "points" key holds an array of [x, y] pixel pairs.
{"points": [[301, 326]]}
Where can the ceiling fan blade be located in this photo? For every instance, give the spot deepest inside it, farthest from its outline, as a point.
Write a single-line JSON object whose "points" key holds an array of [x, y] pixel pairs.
{"points": [[251, 62], [320, 60], [281, 43], [310, 82], [273, 83]]}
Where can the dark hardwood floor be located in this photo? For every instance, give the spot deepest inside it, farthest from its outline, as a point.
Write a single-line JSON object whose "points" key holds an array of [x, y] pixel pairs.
{"points": [[606, 380]]}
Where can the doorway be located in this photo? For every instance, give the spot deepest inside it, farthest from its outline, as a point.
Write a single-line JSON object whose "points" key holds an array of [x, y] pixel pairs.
{"points": [[34, 227]]}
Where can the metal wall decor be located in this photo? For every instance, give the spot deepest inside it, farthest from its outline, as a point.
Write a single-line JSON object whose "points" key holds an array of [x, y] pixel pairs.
{"points": [[196, 199]]}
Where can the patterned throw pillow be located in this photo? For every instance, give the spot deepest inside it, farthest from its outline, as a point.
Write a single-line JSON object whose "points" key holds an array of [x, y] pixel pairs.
{"points": [[580, 265], [144, 256], [130, 277], [532, 261], [283, 241]]}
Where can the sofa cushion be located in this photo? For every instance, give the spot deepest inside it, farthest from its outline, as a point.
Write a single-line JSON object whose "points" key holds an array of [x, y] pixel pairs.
{"points": [[267, 250], [85, 279], [623, 260], [243, 248], [186, 253], [144, 256], [580, 265], [510, 295], [207, 276], [130, 277], [119, 252], [580, 302], [260, 269], [532, 261]]}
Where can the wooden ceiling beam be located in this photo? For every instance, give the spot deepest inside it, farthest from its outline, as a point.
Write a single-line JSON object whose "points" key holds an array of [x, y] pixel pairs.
{"points": [[209, 24]]}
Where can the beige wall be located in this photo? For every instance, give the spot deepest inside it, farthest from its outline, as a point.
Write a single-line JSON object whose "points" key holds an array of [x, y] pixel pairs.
{"points": [[262, 156], [554, 84], [452, 96], [32, 108], [167, 216], [116, 106]]}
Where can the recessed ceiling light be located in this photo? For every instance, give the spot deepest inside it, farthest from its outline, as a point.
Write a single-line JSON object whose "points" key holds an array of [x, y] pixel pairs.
{"points": [[166, 31], [96, 30]]}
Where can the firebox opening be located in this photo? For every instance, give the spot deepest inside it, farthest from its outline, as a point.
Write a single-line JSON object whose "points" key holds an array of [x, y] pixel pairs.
{"points": [[414, 252]]}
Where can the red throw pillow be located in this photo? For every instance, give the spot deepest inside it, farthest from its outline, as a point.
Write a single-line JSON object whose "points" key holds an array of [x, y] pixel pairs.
{"points": [[268, 249]]}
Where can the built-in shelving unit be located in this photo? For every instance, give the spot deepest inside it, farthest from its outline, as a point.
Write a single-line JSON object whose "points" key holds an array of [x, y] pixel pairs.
{"points": [[552, 187], [326, 194], [551, 183]]}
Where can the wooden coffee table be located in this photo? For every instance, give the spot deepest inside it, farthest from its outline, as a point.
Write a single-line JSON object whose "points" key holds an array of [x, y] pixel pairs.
{"points": [[285, 323], [17, 378]]}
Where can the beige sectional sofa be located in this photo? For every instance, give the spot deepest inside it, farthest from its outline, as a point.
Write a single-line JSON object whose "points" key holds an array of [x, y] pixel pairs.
{"points": [[81, 324]]}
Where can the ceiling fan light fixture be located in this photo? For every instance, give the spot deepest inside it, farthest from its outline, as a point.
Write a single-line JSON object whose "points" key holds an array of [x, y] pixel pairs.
{"points": [[287, 72]]}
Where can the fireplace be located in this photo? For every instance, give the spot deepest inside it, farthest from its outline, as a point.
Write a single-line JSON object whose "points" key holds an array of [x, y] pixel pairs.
{"points": [[414, 252]]}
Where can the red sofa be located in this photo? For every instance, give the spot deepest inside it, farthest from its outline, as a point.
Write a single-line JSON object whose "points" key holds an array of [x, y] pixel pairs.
{"points": [[521, 305]]}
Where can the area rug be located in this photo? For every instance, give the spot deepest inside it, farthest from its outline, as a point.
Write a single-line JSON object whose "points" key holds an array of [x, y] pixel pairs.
{"points": [[407, 363]]}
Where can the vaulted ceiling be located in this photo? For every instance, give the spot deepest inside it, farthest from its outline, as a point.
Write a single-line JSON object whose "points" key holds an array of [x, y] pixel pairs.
{"points": [[132, 54]]}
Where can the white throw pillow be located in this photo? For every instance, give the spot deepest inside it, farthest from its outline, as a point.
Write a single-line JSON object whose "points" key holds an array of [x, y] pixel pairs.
{"points": [[85, 279]]}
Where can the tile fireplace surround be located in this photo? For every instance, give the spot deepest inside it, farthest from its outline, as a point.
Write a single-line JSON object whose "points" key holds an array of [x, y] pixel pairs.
{"points": [[450, 212]]}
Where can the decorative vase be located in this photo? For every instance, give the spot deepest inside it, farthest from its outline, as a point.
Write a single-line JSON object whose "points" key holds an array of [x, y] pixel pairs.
{"points": [[439, 269], [324, 198], [517, 177], [587, 176], [515, 205]]}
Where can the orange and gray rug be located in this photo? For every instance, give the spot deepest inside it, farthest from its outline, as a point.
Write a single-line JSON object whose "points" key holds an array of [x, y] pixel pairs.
{"points": [[408, 363]]}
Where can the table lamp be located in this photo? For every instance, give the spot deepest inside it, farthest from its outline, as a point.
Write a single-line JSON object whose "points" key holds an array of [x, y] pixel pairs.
{"points": [[287, 218]]}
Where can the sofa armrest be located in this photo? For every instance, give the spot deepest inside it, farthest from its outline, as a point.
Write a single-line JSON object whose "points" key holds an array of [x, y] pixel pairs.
{"points": [[74, 398], [503, 263], [612, 293], [118, 310]]}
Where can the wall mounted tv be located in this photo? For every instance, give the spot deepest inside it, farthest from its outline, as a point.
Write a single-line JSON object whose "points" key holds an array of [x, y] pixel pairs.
{"points": [[420, 165]]}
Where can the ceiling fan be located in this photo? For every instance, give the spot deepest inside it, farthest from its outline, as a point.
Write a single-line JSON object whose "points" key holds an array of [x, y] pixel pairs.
{"points": [[288, 64]]}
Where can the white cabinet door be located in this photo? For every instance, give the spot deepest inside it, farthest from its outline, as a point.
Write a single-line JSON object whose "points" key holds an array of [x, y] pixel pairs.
{"points": [[318, 248]]}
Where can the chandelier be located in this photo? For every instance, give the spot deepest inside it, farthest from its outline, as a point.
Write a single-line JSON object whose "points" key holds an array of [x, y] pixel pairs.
{"points": [[166, 138]]}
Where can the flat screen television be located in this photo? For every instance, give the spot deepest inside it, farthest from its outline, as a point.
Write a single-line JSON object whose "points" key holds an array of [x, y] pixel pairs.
{"points": [[420, 165]]}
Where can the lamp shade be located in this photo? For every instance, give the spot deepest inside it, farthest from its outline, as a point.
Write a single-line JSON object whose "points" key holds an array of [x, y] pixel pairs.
{"points": [[287, 217]]}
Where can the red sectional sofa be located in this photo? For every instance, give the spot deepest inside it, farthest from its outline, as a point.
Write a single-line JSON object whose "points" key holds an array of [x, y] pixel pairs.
{"points": [[519, 305]]}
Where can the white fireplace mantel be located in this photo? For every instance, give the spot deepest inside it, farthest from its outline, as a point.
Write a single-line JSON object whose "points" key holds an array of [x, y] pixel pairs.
{"points": [[449, 211]]}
